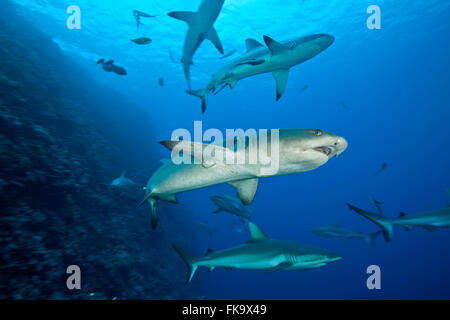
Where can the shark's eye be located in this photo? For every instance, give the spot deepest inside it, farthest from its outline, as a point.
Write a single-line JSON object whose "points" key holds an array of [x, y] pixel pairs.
{"points": [[317, 132]]}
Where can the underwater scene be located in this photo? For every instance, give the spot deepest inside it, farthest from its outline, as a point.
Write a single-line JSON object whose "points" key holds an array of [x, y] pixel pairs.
{"points": [[224, 149]]}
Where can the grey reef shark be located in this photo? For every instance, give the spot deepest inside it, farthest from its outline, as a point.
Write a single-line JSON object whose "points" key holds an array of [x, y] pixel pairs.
{"points": [[429, 220], [231, 205], [261, 253], [201, 27], [336, 231], [295, 151], [276, 57]]}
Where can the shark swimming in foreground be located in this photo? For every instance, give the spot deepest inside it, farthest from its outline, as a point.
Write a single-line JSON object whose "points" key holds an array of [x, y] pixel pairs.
{"points": [[429, 220], [276, 57], [261, 253], [299, 150], [201, 27], [231, 205], [336, 231]]}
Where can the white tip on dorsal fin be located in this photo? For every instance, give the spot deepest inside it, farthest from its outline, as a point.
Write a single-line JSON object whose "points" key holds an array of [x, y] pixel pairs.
{"points": [[252, 44], [274, 46], [256, 233], [186, 16]]}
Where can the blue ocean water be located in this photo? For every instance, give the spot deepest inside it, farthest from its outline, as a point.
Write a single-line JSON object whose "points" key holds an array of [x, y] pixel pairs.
{"points": [[394, 82]]}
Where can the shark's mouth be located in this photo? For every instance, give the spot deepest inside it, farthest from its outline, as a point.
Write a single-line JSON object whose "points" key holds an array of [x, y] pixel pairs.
{"points": [[325, 150]]}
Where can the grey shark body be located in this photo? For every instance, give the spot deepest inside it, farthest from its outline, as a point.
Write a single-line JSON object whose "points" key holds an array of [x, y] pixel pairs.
{"points": [[429, 220], [300, 150], [231, 205], [201, 27], [261, 253], [275, 57], [336, 231], [123, 182]]}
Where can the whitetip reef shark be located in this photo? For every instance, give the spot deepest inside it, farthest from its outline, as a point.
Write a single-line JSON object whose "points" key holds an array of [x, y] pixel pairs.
{"points": [[336, 231], [261, 253], [298, 150], [201, 27], [276, 57], [429, 220]]}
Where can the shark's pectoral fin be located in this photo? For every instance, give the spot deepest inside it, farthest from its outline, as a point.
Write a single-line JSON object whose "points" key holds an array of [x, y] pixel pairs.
{"points": [[281, 266], [186, 16], [256, 233], [214, 38], [210, 269], [172, 198], [252, 44], [246, 189], [274, 46], [281, 77]]}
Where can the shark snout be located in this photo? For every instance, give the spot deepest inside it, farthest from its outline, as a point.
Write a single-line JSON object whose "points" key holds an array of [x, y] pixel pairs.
{"points": [[339, 146]]}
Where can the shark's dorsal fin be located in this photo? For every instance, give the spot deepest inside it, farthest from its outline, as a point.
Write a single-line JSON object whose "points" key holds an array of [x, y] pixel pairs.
{"points": [[256, 233], [214, 38], [252, 44], [209, 251], [274, 46], [186, 16], [246, 189], [281, 77], [123, 173]]}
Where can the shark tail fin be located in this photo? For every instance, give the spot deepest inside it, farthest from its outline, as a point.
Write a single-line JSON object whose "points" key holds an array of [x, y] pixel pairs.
{"points": [[152, 202], [202, 94], [370, 239], [383, 223], [188, 259]]}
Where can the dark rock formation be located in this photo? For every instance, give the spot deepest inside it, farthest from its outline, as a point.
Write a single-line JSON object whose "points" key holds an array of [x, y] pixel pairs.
{"points": [[63, 139]]}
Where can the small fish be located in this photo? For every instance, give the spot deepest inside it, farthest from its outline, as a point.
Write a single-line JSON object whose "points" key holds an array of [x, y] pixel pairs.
{"points": [[109, 66], [344, 105], [172, 58], [305, 87], [142, 40], [228, 54], [383, 167], [138, 14], [161, 82]]}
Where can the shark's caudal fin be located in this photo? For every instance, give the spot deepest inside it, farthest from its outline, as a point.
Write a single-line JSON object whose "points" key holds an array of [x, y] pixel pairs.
{"points": [[152, 202], [370, 238], [188, 259], [384, 223], [202, 94]]}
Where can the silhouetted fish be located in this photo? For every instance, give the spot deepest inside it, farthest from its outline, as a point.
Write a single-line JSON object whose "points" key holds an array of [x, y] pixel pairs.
{"points": [[142, 40], [305, 87], [383, 167], [161, 82]]}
